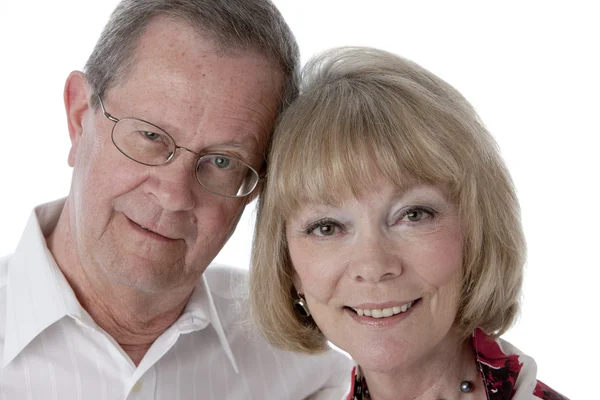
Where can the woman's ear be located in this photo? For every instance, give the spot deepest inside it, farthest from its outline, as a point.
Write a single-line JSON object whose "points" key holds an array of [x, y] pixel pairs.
{"points": [[76, 105], [297, 283]]}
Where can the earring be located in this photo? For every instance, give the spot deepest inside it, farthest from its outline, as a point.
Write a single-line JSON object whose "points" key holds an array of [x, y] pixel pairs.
{"points": [[301, 306]]}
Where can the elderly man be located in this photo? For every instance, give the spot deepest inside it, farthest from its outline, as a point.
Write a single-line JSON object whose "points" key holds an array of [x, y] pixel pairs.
{"points": [[107, 295]]}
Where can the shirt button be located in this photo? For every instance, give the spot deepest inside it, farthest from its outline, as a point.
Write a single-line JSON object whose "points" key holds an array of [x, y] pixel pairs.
{"points": [[137, 387]]}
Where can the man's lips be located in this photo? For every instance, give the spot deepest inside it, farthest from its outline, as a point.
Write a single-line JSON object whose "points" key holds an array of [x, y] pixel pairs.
{"points": [[153, 231]]}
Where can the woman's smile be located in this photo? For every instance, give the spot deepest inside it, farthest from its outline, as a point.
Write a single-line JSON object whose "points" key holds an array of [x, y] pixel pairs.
{"points": [[382, 317]]}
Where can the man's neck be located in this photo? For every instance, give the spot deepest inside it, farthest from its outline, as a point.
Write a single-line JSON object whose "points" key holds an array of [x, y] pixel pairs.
{"points": [[132, 318]]}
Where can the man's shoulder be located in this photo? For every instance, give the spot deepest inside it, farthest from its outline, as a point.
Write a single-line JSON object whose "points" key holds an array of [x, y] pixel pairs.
{"points": [[229, 289], [4, 260], [227, 282]]}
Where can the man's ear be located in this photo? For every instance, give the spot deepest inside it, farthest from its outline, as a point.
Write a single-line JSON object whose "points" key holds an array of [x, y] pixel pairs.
{"points": [[254, 193], [261, 183], [76, 104]]}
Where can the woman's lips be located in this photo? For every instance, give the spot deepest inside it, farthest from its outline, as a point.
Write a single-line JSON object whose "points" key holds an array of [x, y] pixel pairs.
{"points": [[382, 312], [383, 316]]}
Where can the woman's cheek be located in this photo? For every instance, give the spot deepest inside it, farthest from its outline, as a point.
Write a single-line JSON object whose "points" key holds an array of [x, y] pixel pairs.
{"points": [[321, 274]]}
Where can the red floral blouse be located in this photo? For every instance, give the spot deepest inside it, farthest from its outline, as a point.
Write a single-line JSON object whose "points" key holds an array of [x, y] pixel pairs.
{"points": [[506, 373]]}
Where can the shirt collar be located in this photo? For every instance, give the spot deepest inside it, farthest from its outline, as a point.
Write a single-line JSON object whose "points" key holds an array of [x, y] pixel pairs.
{"points": [[201, 307], [35, 296], [39, 295], [499, 369]]}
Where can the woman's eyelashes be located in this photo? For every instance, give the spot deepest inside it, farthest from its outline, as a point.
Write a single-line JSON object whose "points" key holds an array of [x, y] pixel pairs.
{"points": [[412, 216], [415, 215], [324, 227]]}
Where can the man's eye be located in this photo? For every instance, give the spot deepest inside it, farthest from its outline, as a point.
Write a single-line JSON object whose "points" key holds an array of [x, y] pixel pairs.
{"points": [[222, 162], [151, 135]]}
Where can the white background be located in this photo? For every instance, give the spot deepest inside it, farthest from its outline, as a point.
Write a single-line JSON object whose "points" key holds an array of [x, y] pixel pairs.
{"points": [[530, 68]]}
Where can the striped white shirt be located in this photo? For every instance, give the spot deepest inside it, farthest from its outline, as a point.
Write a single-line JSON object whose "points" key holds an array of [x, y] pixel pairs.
{"points": [[50, 348]]}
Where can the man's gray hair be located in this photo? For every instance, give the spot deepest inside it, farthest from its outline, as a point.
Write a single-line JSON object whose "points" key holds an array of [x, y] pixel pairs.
{"points": [[234, 26]]}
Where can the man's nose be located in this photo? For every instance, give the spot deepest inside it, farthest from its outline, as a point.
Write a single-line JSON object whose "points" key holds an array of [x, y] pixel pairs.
{"points": [[174, 184]]}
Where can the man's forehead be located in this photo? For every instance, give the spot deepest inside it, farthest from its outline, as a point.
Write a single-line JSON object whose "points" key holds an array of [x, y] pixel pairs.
{"points": [[171, 44], [180, 81], [172, 32]]}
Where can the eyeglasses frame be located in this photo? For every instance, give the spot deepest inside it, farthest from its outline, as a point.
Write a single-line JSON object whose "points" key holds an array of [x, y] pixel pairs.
{"points": [[199, 157]]}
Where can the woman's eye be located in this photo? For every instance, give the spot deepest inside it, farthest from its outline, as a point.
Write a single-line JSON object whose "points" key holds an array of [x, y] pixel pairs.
{"points": [[417, 215], [325, 230]]}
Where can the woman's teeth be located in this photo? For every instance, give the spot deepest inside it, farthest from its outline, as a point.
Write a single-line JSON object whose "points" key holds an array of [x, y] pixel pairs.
{"points": [[383, 312]]}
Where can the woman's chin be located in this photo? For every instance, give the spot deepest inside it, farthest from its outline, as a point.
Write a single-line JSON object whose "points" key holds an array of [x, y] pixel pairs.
{"points": [[382, 359]]}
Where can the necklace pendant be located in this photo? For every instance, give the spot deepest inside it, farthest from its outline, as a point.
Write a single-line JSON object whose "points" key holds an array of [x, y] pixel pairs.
{"points": [[466, 386]]}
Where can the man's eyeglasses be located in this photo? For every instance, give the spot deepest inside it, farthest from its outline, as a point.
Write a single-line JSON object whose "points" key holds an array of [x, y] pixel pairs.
{"points": [[148, 144]]}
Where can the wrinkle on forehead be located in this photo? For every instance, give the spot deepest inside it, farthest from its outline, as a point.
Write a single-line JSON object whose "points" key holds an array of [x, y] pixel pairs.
{"points": [[180, 83], [257, 112]]}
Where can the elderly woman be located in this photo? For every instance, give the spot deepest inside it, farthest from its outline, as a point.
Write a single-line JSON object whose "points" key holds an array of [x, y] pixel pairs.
{"points": [[389, 226]]}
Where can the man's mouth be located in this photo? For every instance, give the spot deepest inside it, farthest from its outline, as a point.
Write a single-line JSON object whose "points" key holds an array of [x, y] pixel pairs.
{"points": [[144, 228], [151, 231]]}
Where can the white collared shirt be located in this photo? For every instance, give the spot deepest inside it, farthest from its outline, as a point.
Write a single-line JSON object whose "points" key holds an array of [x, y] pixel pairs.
{"points": [[50, 348]]}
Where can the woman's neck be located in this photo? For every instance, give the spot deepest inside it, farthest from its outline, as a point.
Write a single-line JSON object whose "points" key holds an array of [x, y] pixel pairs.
{"points": [[436, 376]]}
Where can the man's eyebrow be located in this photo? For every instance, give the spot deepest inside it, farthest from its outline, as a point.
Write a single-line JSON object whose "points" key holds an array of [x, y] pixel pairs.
{"points": [[248, 148], [233, 143], [237, 144]]}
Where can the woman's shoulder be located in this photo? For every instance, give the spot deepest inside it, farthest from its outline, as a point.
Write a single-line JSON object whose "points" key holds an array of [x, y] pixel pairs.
{"points": [[507, 372]]}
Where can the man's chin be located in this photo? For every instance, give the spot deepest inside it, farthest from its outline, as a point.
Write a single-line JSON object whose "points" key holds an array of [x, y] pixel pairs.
{"points": [[148, 276]]}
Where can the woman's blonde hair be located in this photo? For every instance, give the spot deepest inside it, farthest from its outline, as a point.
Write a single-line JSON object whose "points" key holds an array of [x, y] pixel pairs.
{"points": [[363, 110]]}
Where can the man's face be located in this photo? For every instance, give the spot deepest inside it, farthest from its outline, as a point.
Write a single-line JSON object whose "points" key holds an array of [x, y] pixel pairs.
{"points": [[156, 228]]}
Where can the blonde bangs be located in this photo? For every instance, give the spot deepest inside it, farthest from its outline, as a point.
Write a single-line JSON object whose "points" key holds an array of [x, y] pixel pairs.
{"points": [[336, 141]]}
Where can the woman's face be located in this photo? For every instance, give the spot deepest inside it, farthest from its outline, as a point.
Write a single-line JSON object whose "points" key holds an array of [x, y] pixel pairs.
{"points": [[381, 274]]}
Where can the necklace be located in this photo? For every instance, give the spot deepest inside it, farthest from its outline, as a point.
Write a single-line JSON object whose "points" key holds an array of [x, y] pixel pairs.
{"points": [[361, 391], [466, 386]]}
